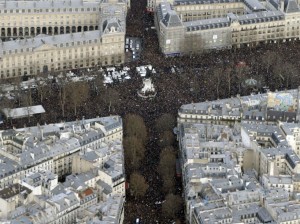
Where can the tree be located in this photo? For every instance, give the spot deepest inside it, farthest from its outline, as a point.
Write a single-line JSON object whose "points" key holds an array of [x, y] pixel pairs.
{"points": [[97, 84], [168, 184], [172, 205], [165, 122], [62, 94], [77, 93], [17, 89], [195, 86], [134, 152], [228, 75], [290, 74], [166, 139], [27, 102], [135, 127], [9, 104], [240, 73], [278, 77], [111, 98], [217, 75], [167, 163], [268, 59], [138, 185], [42, 87]]}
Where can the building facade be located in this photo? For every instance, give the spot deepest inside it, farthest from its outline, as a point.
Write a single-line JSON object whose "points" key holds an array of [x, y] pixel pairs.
{"points": [[60, 35], [224, 24], [31, 18]]}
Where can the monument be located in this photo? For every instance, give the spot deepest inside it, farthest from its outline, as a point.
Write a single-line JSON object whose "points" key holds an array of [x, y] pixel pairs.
{"points": [[148, 90]]}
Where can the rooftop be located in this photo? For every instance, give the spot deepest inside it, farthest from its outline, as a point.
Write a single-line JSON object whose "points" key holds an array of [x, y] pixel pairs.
{"points": [[23, 111], [13, 191], [57, 4], [42, 41]]}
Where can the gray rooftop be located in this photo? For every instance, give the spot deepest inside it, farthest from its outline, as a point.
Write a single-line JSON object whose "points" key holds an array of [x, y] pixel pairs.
{"points": [[197, 2], [57, 4], [42, 41], [207, 24], [171, 19], [254, 5], [260, 17], [291, 6], [13, 191]]}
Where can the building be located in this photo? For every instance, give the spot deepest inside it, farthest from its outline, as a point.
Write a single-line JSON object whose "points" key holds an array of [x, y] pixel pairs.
{"points": [[87, 153], [151, 4], [239, 163], [60, 35], [280, 181], [11, 198], [189, 27], [52, 147]]}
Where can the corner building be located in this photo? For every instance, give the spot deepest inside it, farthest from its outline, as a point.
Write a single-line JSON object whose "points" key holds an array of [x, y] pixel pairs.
{"points": [[59, 35], [187, 27]]}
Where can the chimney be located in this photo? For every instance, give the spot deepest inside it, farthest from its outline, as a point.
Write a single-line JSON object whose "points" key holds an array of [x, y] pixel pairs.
{"points": [[82, 121], [2, 143], [42, 133]]}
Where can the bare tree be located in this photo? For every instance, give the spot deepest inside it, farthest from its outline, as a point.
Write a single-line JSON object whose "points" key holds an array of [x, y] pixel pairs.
{"points": [[167, 163], [62, 83], [268, 59], [172, 205], [195, 87], [27, 102], [240, 72], [77, 94], [17, 89], [42, 87], [98, 85], [138, 185], [278, 77], [165, 122], [168, 185], [290, 74], [9, 105], [135, 127], [111, 98], [134, 152], [217, 77], [166, 139], [228, 75]]}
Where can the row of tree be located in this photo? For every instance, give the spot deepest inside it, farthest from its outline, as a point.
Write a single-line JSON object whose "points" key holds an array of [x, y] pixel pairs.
{"points": [[135, 139], [62, 97], [167, 165]]}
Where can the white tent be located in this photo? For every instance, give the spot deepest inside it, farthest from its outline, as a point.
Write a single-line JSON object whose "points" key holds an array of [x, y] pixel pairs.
{"points": [[23, 111]]}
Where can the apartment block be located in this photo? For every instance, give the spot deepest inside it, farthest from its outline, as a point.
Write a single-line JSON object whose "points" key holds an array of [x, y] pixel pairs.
{"points": [[187, 27], [35, 159], [239, 159]]}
